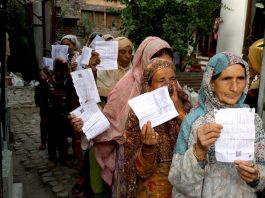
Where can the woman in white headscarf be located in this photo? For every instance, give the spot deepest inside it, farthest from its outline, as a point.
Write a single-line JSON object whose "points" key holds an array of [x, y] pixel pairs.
{"points": [[106, 79]]}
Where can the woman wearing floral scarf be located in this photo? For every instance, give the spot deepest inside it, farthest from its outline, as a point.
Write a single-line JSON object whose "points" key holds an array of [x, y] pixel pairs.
{"points": [[194, 171], [148, 151]]}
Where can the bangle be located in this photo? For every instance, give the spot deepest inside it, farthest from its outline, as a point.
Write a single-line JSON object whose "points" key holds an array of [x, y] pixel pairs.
{"points": [[198, 157]]}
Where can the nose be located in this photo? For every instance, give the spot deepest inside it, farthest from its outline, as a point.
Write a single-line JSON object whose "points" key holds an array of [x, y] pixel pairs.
{"points": [[234, 85], [128, 55]]}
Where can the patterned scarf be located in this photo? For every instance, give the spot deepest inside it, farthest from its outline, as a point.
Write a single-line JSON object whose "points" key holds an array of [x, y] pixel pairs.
{"points": [[216, 65]]}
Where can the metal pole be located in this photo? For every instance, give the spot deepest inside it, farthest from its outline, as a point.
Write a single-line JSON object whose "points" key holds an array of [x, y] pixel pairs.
{"points": [[3, 19]]}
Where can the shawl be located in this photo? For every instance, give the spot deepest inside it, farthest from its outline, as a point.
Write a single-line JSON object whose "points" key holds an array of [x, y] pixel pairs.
{"points": [[106, 79], [117, 107], [206, 99], [167, 131], [255, 61]]}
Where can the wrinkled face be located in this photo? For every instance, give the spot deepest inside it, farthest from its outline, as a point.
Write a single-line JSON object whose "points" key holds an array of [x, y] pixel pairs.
{"points": [[125, 56], [163, 77], [229, 86], [70, 45]]}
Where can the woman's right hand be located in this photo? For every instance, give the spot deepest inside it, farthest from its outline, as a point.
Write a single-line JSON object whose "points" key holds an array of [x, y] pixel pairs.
{"points": [[207, 135], [76, 122]]}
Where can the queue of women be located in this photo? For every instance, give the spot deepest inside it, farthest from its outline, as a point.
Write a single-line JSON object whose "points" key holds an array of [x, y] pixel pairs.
{"points": [[176, 158]]}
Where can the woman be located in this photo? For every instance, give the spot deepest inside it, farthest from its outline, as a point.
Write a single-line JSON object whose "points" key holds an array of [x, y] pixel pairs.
{"points": [[73, 49], [106, 79], [106, 145], [195, 171], [117, 108], [148, 151]]}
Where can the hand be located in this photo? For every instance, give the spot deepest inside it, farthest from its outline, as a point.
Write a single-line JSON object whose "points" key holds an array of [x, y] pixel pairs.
{"points": [[247, 170], [175, 98], [206, 135], [73, 66], [76, 122], [94, 60], [148, 135]]}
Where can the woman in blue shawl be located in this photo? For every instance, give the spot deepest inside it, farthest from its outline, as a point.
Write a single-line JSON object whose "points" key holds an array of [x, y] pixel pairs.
{"points": [[194, 171]]}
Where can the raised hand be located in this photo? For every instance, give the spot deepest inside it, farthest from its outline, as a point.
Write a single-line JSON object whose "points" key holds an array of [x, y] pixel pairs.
{"points": [[148, 135], [206, 135]]}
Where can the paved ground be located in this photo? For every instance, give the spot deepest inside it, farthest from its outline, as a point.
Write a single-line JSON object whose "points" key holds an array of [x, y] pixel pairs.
{"points": [[30, 164]]}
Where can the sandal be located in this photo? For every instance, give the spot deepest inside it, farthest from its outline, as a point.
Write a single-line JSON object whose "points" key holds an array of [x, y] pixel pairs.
{"points": [[77, 189], [42, 147]]}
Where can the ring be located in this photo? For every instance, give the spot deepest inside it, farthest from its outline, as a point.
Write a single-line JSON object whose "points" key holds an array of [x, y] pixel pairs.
{"points": [[153, 136]]}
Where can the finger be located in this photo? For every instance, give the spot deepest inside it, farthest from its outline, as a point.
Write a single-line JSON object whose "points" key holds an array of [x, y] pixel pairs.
{"points": [[149, 130], [248, 175], [207, 143], [143, 131], [174, 90]]}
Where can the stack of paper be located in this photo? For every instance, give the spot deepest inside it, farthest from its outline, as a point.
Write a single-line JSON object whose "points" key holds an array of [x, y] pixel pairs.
{"points": [[94, 120]]}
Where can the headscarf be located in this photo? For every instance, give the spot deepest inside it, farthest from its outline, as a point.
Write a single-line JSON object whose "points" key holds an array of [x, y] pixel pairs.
{"points": [[216, 65], [106, 79], [107, 37], [73, 39], [255, 61], [123, 42], [117, 108]]}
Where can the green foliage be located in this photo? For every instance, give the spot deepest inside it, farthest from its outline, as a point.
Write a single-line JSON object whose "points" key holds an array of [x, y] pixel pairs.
{"points": [[173, 20], [21, 42]]}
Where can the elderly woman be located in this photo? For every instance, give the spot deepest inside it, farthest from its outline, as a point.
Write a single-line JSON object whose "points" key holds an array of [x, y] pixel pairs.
{"points": [[73, 49], [194, 170], [148, 151], [106, 79]]}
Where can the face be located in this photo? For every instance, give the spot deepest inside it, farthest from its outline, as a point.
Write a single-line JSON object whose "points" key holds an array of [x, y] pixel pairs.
{"points": [[229, 86], [163, 77], [70, 45], [125, 56]]}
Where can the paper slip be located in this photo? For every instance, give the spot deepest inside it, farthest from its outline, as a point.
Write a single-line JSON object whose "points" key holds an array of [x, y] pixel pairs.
{"points": [[155, 106], [79, 66], [108, 52], [47, 62], [86, 55], [237, 138], [60, 51], [93, 43], [94, 120], [85, 86]]}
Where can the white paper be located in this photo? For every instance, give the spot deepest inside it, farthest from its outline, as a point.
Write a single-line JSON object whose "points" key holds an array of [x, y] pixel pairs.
{"points": [[108, 52], [94, 120], [79, 66], [86, 55], [237, 138], [85, 86], [48, 62], [156, 107], [60, 51], [93, 43]]}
